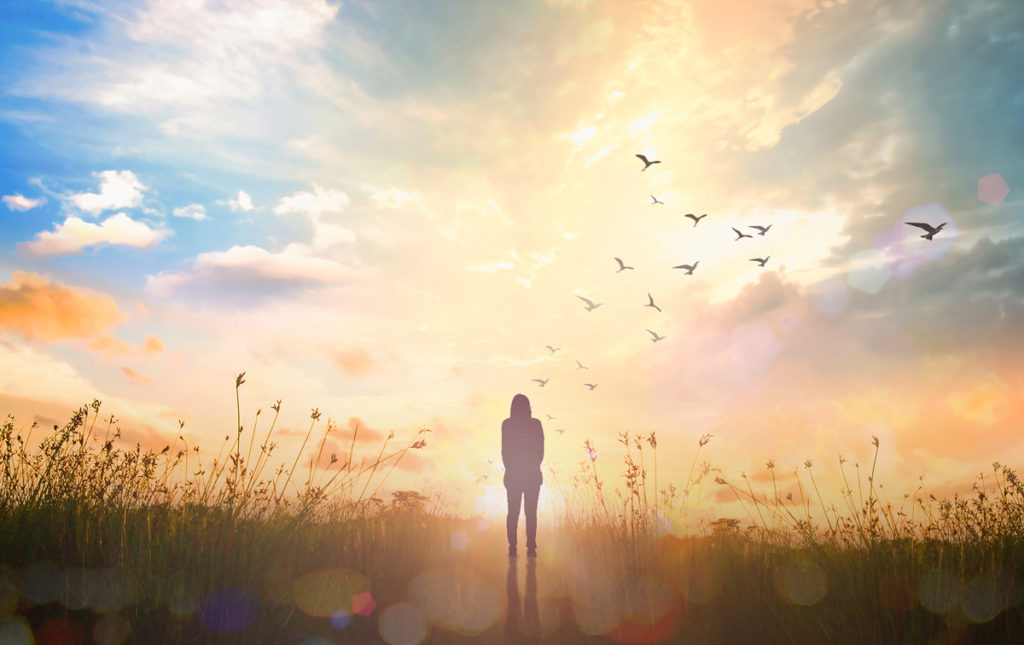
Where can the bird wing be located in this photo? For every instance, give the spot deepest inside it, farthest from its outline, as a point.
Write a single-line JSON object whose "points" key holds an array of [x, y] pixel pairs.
{"points": [[737, 231], [621, 265], [691, 216], [589, 302], [923, 226], [652, 333], [643, 159]]}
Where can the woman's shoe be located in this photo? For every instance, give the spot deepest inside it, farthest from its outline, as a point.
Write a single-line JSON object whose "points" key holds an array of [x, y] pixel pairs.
{"points": [[511, 552]]}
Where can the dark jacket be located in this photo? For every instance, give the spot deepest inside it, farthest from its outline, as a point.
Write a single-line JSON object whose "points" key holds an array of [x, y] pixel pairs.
{"points": [[522, 451]]}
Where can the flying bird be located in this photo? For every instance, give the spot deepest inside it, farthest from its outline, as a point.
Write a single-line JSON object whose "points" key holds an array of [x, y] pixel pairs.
{"points": [[931, 230], [581, 366], [655, 336], [550, 418], [560, 430], [647, 163], [655, 200], [553, 349], [542, 382], [650, 302], [591, 386], [689, 267], [622, 266], [590, 303], [695, 218], [762, 229], [739, 234], [761, 261]]}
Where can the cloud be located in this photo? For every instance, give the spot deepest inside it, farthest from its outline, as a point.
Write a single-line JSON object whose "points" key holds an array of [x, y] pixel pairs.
{"points": [[48, 311], [111, 346], [75, 234], [355, 363], [241, 203], [391, 198], [118, 189], [192, 211], [253, 266], [21, 203], [314, 204], [135, 376]]}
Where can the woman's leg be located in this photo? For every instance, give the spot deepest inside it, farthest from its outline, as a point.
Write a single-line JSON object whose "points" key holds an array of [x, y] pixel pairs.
{"points": [[515, 498], [532, 493]]}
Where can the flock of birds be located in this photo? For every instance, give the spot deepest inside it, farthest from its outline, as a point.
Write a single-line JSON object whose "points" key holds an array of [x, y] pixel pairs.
{"points": [[590, 305]]}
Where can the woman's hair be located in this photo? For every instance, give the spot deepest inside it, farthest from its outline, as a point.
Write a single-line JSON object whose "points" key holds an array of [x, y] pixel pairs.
{"points": [[520, 407]]}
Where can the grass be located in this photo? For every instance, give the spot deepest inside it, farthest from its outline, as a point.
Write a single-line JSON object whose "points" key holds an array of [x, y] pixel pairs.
{"points": [[109, 544]]}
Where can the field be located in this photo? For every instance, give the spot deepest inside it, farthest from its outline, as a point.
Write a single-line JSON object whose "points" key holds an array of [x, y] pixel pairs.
{"points": [[107, 544]]}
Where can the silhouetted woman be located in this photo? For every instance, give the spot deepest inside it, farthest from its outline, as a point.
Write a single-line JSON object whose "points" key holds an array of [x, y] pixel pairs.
{"points": [[522, 451]]}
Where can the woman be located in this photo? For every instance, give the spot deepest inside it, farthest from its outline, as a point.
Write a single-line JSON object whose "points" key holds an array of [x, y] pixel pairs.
{"points": [[522, 451]]}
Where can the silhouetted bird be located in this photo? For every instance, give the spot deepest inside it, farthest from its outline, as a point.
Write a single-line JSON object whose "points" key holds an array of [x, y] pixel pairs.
{"points": [[656, 337], [560, 430], [590, 303], [647, 163], [761, 261], [542, 382], [762, 229], [650, 302], [932, 230], [553, 349], [689, 267], [655, 200], [591, 386], [622, 267], [695, 218], [581, 366], [550, 418], [739, 235]]}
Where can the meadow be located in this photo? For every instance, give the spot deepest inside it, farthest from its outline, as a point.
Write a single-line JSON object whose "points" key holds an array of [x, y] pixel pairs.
{"points": [[105, 543]]}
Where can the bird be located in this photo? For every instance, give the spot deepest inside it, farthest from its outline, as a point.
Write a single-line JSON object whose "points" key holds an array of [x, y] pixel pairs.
{"points": [[650, 302], [656, 337], [931, 230], [590, 303], [647, 163], [560, 430], [762, 229], [550, 418], [739, 235], [581, 366], [689, 267], [655, 200], [492, 462], [591, 386], [553, 349], [695, 218], [542, 382], [622, 266], [762, 261]]}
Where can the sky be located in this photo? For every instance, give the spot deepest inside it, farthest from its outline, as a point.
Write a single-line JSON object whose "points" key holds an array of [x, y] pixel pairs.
{"points": [[387, 211]]}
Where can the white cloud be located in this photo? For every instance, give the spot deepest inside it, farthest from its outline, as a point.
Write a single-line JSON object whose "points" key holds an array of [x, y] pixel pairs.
{"points": [[192, 211], [241, 203], [20, 202], [391, 198], [294, 263], [75, 234], [314, 204], [118, 189]]}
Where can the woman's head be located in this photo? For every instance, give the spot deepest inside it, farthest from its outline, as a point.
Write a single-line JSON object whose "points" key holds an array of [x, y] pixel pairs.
{"points": [[520, 407]]}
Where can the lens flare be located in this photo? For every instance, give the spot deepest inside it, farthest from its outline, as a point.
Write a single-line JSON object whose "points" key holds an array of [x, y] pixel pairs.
{"points": [[457, 599], [992, 189], [322, 593], [14, 631], [228, 610], [42, 582], [403, 624], [111, 629], [939, 591], [804, 582]]}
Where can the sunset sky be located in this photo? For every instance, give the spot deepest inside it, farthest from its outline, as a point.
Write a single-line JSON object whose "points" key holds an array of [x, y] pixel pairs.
{"points": [[387, 210]]}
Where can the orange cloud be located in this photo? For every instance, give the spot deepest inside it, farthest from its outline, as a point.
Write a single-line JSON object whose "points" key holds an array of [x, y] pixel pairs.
{"points": [[365, 432], [135, 376], [43, 310], [355, 363], [111, 346], [48, 311]]}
